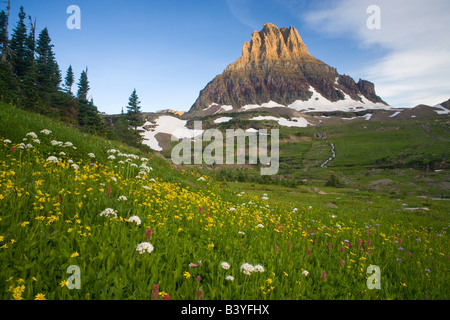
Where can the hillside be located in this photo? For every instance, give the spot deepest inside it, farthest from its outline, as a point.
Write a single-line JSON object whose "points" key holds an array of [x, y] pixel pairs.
{"points": [[137, 228]]}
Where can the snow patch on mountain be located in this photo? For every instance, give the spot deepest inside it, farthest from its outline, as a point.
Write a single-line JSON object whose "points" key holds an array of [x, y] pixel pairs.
{"points": [[169, 125], [318, 103]]}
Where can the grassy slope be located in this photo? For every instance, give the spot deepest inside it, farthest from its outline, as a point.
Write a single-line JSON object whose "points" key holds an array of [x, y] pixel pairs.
{"points": [[50, 220], [367, 151]]}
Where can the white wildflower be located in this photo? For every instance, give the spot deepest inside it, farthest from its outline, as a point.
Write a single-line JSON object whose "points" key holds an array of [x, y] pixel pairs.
{"points": [[7, 141], [144, 247], [260, 225], [135, 219], [247, 269], [111, 157], [56, 143], [91, 155], [68, 144], [32, 135], [201, 179], [62, 153], [108, 213], [259, 268], [225, 265], [112, 151], [241, 232], [305, 273], [229, 278], [52, 159], [46, 132], [232, 209], [114, 179], [146, 187], [75, 166], [122, 198], [37, 141]]}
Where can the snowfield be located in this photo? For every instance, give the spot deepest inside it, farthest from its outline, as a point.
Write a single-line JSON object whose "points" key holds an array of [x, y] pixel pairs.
{"points": [[169, 125], [223, 119], [294, 122], [441, 109], [319, 103]]}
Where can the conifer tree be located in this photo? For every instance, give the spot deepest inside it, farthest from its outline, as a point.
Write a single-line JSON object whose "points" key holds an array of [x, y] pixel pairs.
{"points": [[3, 36], [4, 23], [30, 42], [83, 86], [20, 52], [134, 110], [69, 80], [49, 75]]}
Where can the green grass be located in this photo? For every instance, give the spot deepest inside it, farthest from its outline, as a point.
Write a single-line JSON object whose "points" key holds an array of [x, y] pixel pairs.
{"points": [[50, 220]]}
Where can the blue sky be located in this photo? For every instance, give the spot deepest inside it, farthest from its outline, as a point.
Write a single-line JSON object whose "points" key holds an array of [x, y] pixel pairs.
{"points": [[169, 50]]}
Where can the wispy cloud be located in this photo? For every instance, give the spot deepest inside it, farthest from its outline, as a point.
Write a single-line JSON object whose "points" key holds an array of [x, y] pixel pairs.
{"points": [[243, 11], [415, 34]]}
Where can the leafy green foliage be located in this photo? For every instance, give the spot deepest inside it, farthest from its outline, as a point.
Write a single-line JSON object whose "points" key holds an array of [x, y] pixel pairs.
{"points": [[334, 182]]}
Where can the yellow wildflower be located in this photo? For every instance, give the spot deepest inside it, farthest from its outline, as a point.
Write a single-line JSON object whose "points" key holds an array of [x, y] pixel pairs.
{"points": [[40, 296]]}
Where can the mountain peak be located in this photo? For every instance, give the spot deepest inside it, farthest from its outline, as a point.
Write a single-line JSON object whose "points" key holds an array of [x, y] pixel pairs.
{"points": [[272, 43], [276, 66]]}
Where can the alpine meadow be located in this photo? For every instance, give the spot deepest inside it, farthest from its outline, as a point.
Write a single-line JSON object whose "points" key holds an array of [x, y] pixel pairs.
{"points": [[93, 205]]}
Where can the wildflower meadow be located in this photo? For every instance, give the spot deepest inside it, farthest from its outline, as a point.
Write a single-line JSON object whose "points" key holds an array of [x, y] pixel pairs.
{"points": [[139, 228]]}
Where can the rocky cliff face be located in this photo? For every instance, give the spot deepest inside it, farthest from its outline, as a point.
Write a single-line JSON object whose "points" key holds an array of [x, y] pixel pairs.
{"points": [[276, 66]]}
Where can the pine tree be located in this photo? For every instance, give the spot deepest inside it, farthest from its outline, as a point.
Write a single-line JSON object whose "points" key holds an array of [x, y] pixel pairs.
{"points": [[20, 52], [4, 23], [3, 36], [134, 110], [83, 86], [69, 80], [49, 75], [30, 42]]}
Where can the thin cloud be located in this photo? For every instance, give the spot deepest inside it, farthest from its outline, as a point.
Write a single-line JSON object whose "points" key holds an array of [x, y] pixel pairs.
{"points": [[415, 35], [242, 11]]}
